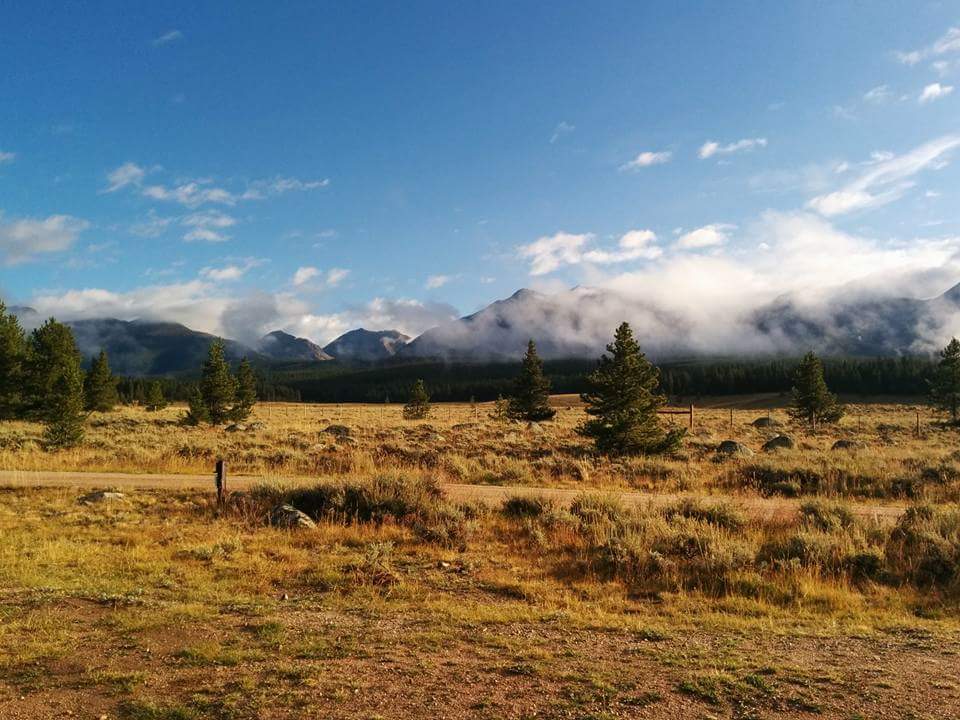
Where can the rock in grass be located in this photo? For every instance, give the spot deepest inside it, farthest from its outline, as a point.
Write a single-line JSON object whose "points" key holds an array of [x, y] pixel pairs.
{"points": [[235, 427], [338, 430], [288, 517], [102, 496], [780, 442], [848, 445], [732, 448], [765, 422], [254, 426]]}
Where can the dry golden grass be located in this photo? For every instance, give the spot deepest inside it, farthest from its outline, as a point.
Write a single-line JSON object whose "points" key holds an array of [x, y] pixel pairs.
{"points": [[402, 604]]}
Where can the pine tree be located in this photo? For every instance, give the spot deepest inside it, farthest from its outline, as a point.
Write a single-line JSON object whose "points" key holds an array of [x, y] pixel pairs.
{"points": [[13, 348], [246, 396], [64, 415], [196, 408], [945, 386], [501, 410], [812, 402], [623, 399], [100, 385], [217, 386], [531, 397], [51, 354], [155, 400], [418, 406]]}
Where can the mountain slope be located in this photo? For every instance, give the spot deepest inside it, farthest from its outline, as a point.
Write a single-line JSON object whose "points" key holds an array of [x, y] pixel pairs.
{"points": [[283, 346], [367, 345]]}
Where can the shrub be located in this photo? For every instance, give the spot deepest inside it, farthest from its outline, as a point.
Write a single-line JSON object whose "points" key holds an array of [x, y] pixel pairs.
{"points": [[527, 506], [721, 515], [825, 516], [924, 547]]}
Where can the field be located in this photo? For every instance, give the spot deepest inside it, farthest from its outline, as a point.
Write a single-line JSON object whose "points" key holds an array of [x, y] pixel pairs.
{"points": [[806, 582]]}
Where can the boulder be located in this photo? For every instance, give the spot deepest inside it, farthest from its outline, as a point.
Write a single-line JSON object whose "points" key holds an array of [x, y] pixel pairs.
{"points": [[236, 427], [780, 442], [339, 431], [732, 448], [848, 445], [765, 422], [288, 517], [102, 496]]}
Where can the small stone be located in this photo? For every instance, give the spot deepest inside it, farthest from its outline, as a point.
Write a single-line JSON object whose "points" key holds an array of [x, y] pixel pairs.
{"points": [[235, 427], [443, 565], [287, 516], [732, 447], [765, 422], [102, 496], [848, 445], [337, 430], [780, 442]]}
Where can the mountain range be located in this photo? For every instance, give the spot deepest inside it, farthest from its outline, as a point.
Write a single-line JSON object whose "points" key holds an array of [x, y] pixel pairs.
{"points": [[576, 323]]}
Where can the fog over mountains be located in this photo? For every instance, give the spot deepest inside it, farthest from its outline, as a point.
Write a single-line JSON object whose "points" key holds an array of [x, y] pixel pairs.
{"points": [[574, 323]]}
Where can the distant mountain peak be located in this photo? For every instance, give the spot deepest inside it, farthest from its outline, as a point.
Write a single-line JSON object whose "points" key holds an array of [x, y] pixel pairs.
{"points": [[280, 345], [367, 345]]}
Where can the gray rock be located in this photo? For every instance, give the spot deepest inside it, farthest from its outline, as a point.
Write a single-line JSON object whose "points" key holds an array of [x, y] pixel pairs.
{"points": [[732, 448], [338, 430], [848, 445], [288, 517], [236, 427], [780, 442], [102, 496], [765, 422]]}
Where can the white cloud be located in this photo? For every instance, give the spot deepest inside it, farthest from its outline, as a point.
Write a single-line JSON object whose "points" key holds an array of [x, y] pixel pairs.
{"points": [[935, 91], [230, 272], [711, 148], [168, 37], [260, 189], [191, 194], [151, 226], [336, 275], [646, 159], [886, 180], [22, 240], [437, 281], [207, 226], [549, 253], [949, 42], [304, 274], [7, 157], [563, 128], [707, 236], [124, 176], [878, 95]]}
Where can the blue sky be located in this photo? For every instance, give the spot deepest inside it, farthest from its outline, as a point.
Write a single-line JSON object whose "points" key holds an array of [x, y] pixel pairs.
{"points": [[240, 167]]}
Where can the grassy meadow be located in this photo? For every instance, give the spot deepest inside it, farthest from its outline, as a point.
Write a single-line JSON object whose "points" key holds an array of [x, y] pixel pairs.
{"points": [[404, 602]]}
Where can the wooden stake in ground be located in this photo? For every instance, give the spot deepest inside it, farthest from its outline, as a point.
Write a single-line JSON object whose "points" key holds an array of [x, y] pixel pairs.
{"points": [[221, 481]]}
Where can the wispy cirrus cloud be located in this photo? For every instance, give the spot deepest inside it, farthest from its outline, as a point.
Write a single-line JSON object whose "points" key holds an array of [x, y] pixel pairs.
{"points": [[711, 147], [304, 275], [562, 129], [124, 176], [207, 226], [886, 179], [168, 37], [7, 157], [646, 159], [947, 43]]}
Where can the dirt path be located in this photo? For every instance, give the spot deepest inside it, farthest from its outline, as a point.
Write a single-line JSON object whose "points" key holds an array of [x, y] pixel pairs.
{"points": [[491, 494]]}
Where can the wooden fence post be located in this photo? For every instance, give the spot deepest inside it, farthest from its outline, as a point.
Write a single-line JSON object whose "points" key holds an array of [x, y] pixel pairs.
{"points": [[691, 416], [221, 480]]}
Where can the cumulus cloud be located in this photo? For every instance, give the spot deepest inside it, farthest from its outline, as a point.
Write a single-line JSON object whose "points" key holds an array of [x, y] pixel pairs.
{"points": [[124, 176], [25, 238], [552, 252], [934, 91], [646, 159], [207, 226], [711, 148], [886, 179], [230, 272], [437, 281], [705, 237], [304, 274]]}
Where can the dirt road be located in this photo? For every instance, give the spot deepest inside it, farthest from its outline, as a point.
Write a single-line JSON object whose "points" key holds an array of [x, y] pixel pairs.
{"points": [[491, 494]]}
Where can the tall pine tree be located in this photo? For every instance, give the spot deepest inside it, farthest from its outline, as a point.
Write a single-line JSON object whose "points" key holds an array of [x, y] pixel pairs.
{"points": [[13, 348], [945, 386], [217, 386], [100, 385], [531, 394], [418, 406], [64, 415], [51, 354], [154, 399], [813, 403], [246, 396], [622, 402]]}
